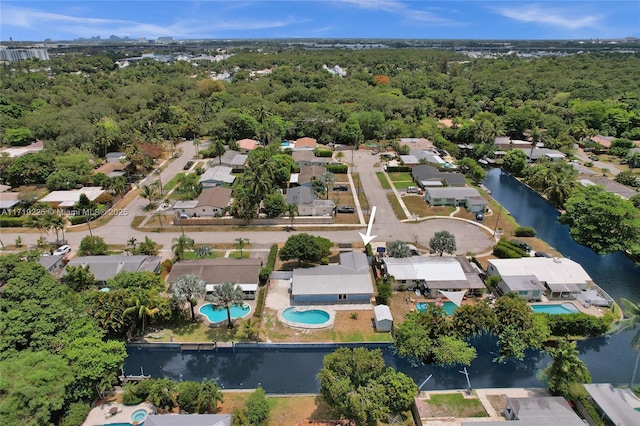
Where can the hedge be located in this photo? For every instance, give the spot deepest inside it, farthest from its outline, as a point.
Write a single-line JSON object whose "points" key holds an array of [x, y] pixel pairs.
{"points": [[578, 324], [337, 168], [515, 248], [257, 313], [504, 251], [11, 221], [273, 256], [323, 153], [391, 169], [525, 231]]}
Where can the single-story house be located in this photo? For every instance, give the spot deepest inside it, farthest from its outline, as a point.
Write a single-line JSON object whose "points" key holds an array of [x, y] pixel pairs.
{"points": [[430, 156], [619, 406], [239, 272], [104, 268], [604, 142], [383, 318], [247, 145], [189, 420], [52, 263], [216, 176], [429, 176], [8, 200], [349, 282], [456, 196], [505, 143], [527, 287], [305, 143], [538, 153], [306, 175], [112, 169], [211, 202], [115, 157], [432, 274], [308, 202], [562, 278], [308, 158], [231, 158], [610, 185], [422, 142], [66, 199]]}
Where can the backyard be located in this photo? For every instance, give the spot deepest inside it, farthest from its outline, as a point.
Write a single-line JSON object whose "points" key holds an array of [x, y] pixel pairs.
{"points": [[447, 405]]}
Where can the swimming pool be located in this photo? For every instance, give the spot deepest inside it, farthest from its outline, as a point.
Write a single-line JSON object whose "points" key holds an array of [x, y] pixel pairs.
{"points": [[215, 314], [139, 416], [565, 308], [448, 307], [306, 317]]}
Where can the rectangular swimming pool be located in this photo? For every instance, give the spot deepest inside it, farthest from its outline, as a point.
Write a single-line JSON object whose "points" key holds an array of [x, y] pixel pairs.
{"points": [[564, 308], [448, 307]]}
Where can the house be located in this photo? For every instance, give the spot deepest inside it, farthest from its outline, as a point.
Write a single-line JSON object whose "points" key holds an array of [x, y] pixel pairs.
{"points": [[505, 143], [526, 286], [541, 410], [349, 282], [308, 202], [115, 157], [231, 158], [562, 278], [432, 274], [212, 202], [216, 176], [382, 318], [305, 143], [189, 420], [239, 272], [536, 154], [305, 158], [247, 145], [456, 196], [422, 142], [430, 156], [603, 143], [429, 176], [104, 268], [67, 199], [615, 405], [8, 200], [112, 169], [611, 185], [52, 263], [306, 175]]}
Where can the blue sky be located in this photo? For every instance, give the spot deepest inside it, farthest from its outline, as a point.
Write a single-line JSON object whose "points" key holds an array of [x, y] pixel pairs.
{"points": [[223, 19]]}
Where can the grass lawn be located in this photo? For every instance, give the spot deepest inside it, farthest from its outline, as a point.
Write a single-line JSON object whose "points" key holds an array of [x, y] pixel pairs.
{"points": [[403, 184], [384, 182], [400, 176], [420, 208], [454, 405], [173, 182], [195, 332], [189, 255], [236, 254], [395, 205]]}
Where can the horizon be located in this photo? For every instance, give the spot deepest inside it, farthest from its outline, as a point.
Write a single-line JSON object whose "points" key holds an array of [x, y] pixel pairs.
{"points": [[542, 20]]}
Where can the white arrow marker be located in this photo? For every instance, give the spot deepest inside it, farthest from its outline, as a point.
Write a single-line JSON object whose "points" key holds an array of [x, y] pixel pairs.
{"points": [[366, 239]]}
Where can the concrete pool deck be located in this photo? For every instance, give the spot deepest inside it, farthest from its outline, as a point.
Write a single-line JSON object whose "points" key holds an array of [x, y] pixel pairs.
{"points": [[100, 414]]}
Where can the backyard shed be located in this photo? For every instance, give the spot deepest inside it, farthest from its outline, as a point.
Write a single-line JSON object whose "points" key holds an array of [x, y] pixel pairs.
{"points": [[383, 318]]}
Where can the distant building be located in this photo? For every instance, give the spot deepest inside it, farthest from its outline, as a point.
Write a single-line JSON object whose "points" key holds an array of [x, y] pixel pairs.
{"points": [[17, 55]]}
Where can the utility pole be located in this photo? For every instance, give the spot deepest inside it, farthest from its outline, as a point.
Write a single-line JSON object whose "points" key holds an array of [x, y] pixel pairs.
{"points": [[466, 373], [497, 221]]}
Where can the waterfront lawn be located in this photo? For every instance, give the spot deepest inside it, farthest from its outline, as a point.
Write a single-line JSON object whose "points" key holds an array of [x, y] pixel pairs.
{"points": [[188, 332], [454, 405]]}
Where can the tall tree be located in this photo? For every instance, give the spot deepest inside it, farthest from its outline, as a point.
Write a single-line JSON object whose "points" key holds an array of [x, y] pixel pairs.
{"points": [[443, 242], [208, 397], [217, 150], [399, 248], [188, 288], [240, 243], [292, 211], [142, 305], [566, 369], [631, 321], [181, 244], [92, 246], [225, 295]]}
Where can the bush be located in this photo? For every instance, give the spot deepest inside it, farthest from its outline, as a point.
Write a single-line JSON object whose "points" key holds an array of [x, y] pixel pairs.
{"points": [[257, 313], [76, 414], [324, 261], [493, 280], [104, 198], [273, 256], [339, 169], [11, 222], [188, 396], [323, 153], [368, 250], [391, 169], [505, 251], [578, 324], [130, 395], [167, 264], [525, 231], [257, 408], [265, 272], [353, 315], [384, 292]]}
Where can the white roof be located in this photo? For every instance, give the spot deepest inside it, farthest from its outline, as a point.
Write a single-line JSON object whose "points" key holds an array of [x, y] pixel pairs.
{"points": [[69, 198], [425, 268], [351, 277], [294, 177], [553, 271], [453, 191], [185, 204], [618, 404], [382, 312], [218, 174]]}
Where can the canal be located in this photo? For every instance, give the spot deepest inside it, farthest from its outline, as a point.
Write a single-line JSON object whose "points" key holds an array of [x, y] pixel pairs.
{"points": [[293, 369]]}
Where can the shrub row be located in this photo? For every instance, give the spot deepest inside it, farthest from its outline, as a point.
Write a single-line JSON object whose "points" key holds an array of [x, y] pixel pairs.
{"points": [[337, 168], [525, 231], [323, 152], [578, 324], [504, 250], [273, 256], [257, 313], [11, 222], [398, 169]]}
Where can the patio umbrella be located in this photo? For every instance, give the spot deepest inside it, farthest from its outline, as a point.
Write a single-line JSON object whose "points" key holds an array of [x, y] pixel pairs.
{"points": [[113, 410]]}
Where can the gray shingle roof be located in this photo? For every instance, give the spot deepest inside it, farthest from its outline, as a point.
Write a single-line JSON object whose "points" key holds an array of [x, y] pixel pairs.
{"points": [[189, 420], [301, 195], [106, 267], [220, 270]]}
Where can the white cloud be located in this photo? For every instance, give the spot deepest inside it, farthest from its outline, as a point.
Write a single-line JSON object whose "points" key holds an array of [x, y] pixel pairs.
{"points": [[400, 8], [564, 18]]}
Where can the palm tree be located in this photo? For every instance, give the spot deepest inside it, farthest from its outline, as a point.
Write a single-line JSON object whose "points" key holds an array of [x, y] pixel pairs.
{"points": [[59, 223], [208, 397], [149, 193], [535, 135], [196, 145], [249, 329], [339, 156], [131, 244], [566, 368], [141, 306], [203, 251], [631, 321], [180, 244], [162, 393], [240, 243], [226, 295], [188, 288], [292, 211], [218, 150]]}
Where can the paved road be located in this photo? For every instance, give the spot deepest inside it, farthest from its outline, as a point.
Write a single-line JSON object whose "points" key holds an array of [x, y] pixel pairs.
{"points": [[613, 170], [469, 237]]}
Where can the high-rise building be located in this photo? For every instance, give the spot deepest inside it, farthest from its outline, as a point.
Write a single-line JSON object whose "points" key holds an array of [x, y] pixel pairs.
{"points": [[16, 55]]}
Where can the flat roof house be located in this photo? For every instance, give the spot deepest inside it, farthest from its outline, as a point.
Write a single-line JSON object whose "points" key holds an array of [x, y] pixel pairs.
{"points": [[104, 268], [66, 199], [239, 272], [216, 176], [562, 278], [526, 286], [308, 203], [429, 176], [468, 197], [432, 274], [189, 420], [349, 282], [211, 202]]}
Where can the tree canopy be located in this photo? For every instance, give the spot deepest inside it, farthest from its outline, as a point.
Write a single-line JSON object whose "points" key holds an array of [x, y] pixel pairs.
{"points": [[305, 248]]}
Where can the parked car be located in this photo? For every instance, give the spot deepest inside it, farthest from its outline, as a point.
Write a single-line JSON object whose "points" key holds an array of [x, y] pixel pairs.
{"points": [[188, 165], [479, 216], [346, 209], [541, 254], [62, 250], [521, 244], [184, 216], [341, 188], [413, 190]]}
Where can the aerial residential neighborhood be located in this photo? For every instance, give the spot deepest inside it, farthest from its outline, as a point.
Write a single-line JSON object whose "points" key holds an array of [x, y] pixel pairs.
{"points": [[394, 236]]}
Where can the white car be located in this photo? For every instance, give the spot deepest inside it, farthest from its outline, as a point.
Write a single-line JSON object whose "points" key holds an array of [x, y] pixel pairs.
{"points": [[62, 250]]}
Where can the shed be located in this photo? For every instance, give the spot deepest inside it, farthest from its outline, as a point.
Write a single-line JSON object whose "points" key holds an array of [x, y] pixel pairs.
{"points": [[383, 318]]}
